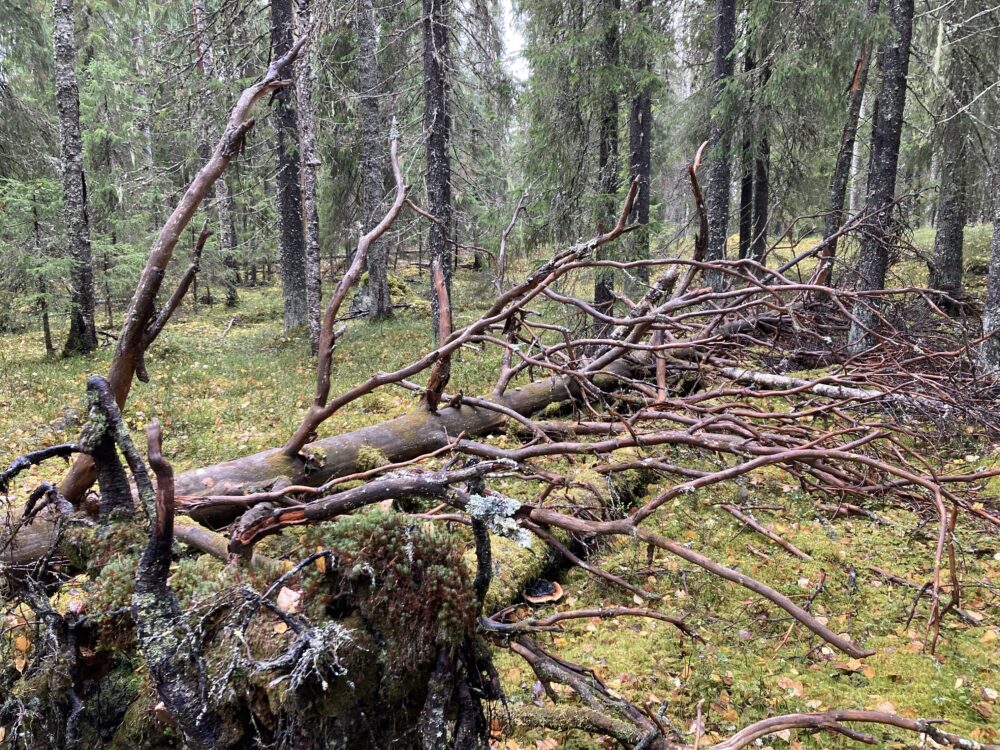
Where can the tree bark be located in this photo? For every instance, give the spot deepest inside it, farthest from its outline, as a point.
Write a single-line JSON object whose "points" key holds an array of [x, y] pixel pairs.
{"points": [[82, 332], [746, 177], [952, 204], [719, 172], [437, 131], [43, 305], [372, 162], [989, 349], [847, 154], [291, 238], [873, 259], [305, 77], [761, 197], [607, 154], [640, 129]]}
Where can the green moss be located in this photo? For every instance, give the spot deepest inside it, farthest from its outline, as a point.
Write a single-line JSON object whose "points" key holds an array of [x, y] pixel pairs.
{"points": [[406, 580], [370, 458]]}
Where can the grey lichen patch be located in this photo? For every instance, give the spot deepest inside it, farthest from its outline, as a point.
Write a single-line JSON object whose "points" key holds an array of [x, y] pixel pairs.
{"points": [[498, 514]]}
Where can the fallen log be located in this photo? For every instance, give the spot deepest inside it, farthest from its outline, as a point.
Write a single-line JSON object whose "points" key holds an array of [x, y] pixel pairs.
{"points": [[401, 439]]}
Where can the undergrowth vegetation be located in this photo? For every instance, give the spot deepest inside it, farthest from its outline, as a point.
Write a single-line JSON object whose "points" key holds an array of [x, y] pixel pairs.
{"points": [[226, 383]]}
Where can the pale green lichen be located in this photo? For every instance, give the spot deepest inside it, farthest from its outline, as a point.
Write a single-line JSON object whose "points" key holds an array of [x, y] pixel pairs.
{"points": [[498, 514]]}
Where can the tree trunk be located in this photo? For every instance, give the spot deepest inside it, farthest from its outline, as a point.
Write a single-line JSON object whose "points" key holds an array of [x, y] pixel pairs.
{"points": [[82, 332], [873, 259], [291, 239], [640, 131], [43, 305], [847, 155], [227, 230], [746, 197], [372, 163], [989, 350], [305, 77], [761, 196], [437, 131], [607, 154], [854, 181], [719, 172], [952, 204]]}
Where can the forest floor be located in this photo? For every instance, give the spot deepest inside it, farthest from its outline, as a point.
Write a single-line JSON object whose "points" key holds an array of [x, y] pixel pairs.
{"points": [[227, 383]]}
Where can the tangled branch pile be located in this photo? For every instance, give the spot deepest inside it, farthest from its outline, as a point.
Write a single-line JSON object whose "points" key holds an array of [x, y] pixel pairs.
{"points": [[372, 629]]}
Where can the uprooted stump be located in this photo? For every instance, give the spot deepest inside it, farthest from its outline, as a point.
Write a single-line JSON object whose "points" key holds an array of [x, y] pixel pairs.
{"points": [[344, 660], [369, 641]]}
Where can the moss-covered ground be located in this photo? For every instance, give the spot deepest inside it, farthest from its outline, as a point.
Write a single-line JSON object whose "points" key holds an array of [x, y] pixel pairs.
{"points": [[228, 382]]}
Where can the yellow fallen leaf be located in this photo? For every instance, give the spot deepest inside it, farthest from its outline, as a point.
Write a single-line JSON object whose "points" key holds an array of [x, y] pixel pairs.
{"points": [[280, 627], [22, 644]]}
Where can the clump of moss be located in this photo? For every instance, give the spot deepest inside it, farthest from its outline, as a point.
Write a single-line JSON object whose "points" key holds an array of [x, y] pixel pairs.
{"points": [[92, 547], [406, 581], [370, 458], [194, 579]]}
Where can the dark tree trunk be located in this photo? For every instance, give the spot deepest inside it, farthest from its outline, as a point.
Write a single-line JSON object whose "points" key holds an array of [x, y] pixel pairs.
{"points": [[437, 131], [291, 238], [607, 155], [952, 204], [640, 132], [761, 196], [82, 333], [719, 172], [845, 155], [746, 178], [305, 77], [372, 162], [873, 259]]}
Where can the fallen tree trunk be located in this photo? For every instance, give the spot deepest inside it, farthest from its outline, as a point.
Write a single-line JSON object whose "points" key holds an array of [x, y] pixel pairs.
{"points": [[401, 439]]}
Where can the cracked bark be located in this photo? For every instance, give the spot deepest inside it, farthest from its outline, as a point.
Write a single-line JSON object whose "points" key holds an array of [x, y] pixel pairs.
{"points": [[372, 162], [437, 130], [291, 237], [82, 336], [873, 258]]}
